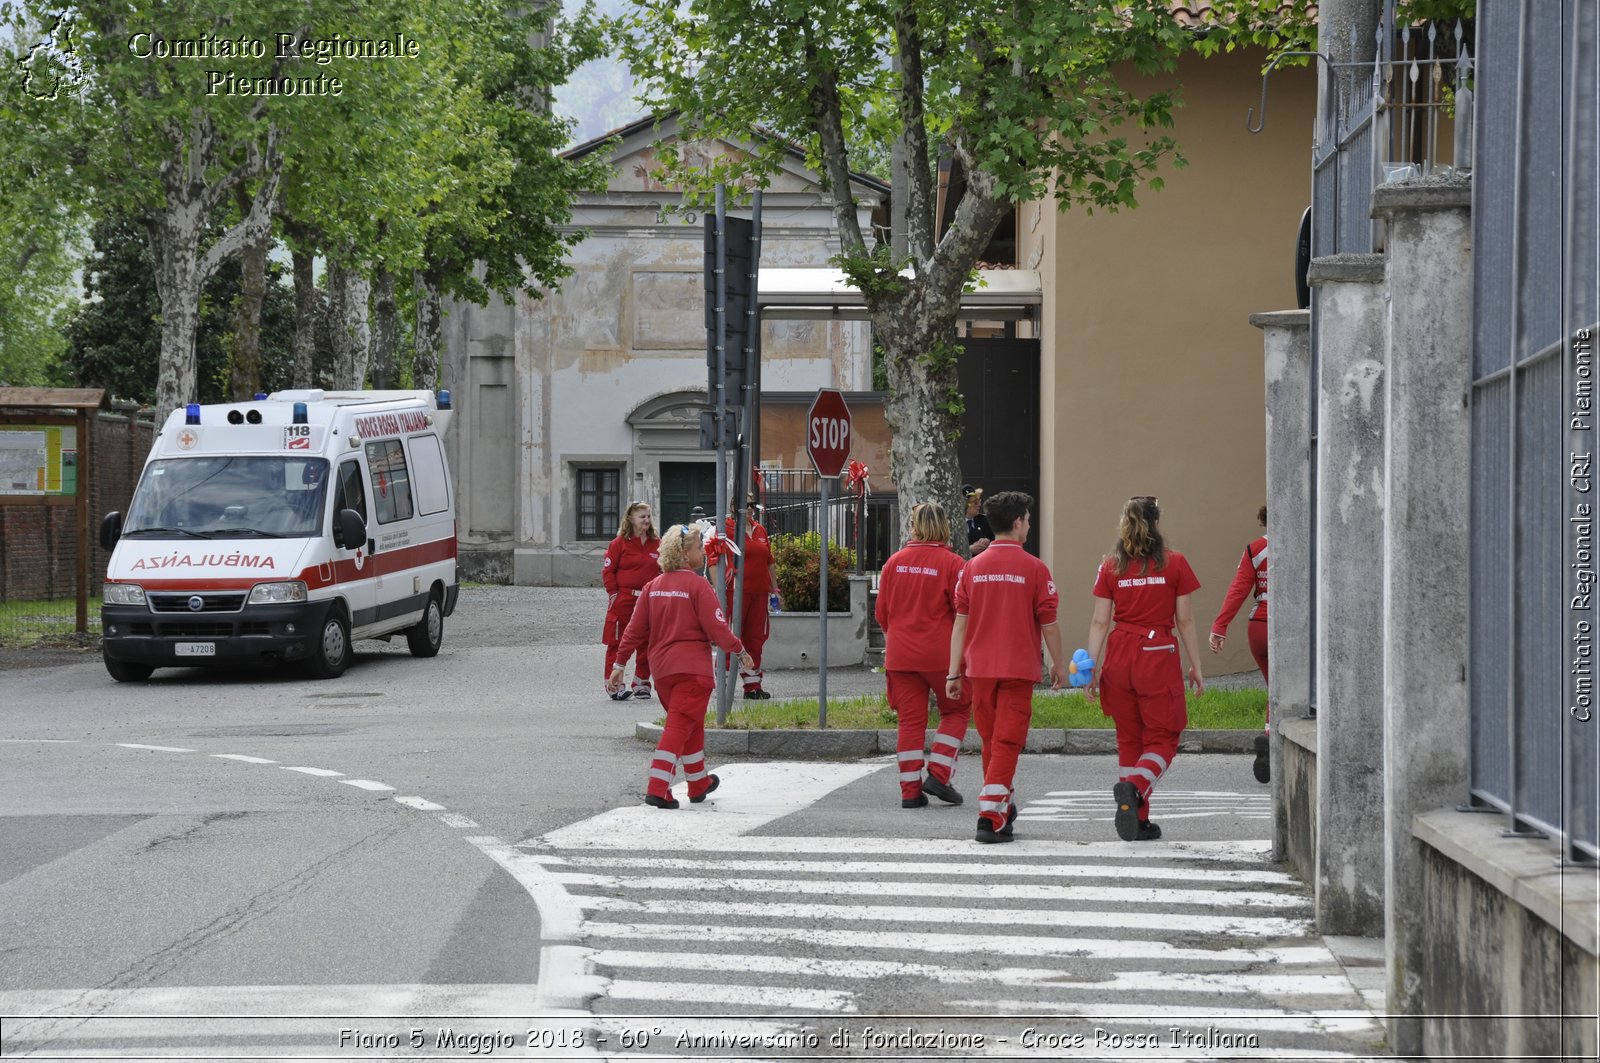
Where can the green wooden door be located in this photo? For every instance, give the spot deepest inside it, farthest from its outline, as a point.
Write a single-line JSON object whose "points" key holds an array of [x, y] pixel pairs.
{"points": [[684, 485]]}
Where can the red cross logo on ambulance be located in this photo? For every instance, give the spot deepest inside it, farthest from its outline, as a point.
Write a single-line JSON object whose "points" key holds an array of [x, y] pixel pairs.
{"points": [[360, 560], [187, 439]]}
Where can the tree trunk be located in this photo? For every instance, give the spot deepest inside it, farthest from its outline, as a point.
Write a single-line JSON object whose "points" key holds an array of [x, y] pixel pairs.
{"points": [[430, 332], [385, 331], [349, 325], [178, 282], [244, 368], [305, 320]]}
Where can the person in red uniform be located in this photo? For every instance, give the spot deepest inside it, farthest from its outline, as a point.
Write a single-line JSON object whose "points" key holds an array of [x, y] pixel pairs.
{"points": [[1251, 578], [1144, 587], [630, 563], [678, 618], [755, 624], [1005, 601], [916, 609]]}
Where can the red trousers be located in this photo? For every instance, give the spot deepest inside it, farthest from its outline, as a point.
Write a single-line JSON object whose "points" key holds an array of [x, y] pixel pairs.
{"points": [[617, 617], [683, 737], [1141, 688], [1258, 650], [754, 627], [908, 696], [1002, 710]]}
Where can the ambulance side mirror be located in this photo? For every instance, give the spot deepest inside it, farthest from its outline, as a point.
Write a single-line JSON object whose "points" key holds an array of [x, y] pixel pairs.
{"points": [[349, 530], [111, 529]]}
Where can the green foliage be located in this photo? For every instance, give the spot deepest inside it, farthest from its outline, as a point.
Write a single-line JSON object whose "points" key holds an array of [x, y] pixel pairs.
{"points": [[1276, 25], [797, 569]]}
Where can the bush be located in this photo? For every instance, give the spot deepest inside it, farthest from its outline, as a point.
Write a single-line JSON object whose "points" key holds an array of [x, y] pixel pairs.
{"points": [[797, 568]]}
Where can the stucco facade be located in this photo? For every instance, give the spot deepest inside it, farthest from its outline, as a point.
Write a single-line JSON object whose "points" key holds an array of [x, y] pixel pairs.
{"points": [[591, 395], [1151, 371]]}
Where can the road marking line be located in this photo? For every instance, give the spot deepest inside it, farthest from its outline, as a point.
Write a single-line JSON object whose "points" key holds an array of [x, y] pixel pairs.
{"points": [[1043, 977], [980, 867], [366, 784], [1320, 1020], [420, 803], [645, 839], [1247, 926], [158, 749], [241, 757], [816, 1001], [319, 772], [40, 741], [458, 821], [958, 944], [748, 797], [1010, 891]]}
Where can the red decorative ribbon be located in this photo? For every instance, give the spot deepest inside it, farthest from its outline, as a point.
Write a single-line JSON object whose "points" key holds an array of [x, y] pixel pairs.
{"points": [[855, 478], [715, 542]]}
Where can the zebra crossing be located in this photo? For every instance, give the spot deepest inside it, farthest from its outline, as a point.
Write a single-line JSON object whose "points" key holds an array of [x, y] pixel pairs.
{"points": [[700, 931], [1082, 806]]}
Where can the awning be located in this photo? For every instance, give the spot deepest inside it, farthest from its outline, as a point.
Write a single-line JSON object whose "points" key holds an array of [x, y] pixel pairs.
{"points": [[793, 294]]}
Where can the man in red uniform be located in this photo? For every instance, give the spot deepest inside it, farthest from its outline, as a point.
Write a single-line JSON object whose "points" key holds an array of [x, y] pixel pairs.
{"points": [[630, 563], [1251, 577], [916, 609], [1005, 600], [754, 622]]}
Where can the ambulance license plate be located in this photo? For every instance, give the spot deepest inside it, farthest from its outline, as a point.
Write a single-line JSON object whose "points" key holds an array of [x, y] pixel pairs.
{"points": [[195, 649]]}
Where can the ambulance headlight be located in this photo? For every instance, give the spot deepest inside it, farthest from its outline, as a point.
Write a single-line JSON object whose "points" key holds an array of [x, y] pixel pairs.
{"points": [[123, 594], [291, 590]]}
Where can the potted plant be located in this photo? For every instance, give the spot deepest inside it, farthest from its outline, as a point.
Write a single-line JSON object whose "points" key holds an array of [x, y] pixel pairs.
{"points": [[795, 639], [797, 569]]}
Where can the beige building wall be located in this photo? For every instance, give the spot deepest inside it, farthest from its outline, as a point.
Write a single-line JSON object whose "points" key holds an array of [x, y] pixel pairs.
{"points": [[1153, 368]]}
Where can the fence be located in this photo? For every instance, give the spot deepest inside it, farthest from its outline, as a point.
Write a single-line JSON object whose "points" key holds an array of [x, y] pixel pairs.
{"points": [[1534, 753], [39, 539], [794, 506]]}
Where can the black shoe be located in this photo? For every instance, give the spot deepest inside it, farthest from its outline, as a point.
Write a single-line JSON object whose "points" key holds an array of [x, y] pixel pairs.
{"points": [[1263, 765], [641, 692], [987, 835], [622, 695], [1011, 820], [1128, 802], [757, 695], [661, 802], [919, 801], [942, 790], [693, 800], [1148, 832]]}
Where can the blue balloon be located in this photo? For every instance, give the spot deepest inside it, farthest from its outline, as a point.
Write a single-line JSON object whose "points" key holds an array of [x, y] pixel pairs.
{"points": [[1081, 673]]}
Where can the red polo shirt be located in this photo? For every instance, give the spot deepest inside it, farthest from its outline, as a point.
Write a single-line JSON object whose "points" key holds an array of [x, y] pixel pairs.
{"points": [[1007, 596], [678, 618], [917, 605], [1144, 596]]}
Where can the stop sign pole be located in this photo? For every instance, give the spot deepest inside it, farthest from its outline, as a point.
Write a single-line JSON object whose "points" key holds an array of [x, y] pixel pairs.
{"points": [[828, 445]]}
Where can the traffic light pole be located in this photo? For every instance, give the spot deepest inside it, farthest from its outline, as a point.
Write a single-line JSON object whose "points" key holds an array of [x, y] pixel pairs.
{"points": [[822, 610], [720, 660]]}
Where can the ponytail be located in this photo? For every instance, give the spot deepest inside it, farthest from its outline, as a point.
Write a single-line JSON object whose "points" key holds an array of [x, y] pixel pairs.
{"points": [[1139, 536]]}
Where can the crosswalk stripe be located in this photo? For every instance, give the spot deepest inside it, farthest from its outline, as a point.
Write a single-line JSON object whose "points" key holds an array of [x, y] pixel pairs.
{"points": [[1180, 922], [753, 996], [811, 966], [1286, 1020], [968, 890], [647, 840], [984, 868], [954, 944]]}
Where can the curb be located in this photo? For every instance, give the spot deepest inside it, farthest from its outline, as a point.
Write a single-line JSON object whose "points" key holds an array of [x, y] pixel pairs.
{"points": [[809, 744]]}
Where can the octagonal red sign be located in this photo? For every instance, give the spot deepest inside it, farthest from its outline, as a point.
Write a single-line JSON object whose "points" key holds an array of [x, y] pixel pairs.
{"points": [[828, 432]]}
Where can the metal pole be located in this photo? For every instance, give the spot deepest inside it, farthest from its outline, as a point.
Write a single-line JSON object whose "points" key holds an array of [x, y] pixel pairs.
{"points": [[80, 505], [822, 609], [720, 659]]}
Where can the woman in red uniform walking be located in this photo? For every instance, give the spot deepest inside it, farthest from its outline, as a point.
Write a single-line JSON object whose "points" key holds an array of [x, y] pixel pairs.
{"points": [[1144, 587], [1251, 578], [678, 618], [916, 609], [755, 624], [631, 562]]}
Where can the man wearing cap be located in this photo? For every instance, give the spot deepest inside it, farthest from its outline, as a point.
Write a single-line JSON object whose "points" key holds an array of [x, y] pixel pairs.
{"points": [[979, 533]]}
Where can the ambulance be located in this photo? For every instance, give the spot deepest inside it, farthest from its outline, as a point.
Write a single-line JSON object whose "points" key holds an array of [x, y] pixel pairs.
{"points": [[282, 529]]}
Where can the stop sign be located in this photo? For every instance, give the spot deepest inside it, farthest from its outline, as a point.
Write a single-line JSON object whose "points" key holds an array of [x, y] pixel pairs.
{"points": [[828, 432]]}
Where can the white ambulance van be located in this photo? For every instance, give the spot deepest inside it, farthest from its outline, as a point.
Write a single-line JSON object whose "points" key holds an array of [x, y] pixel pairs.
{"points": [[280, 530]]}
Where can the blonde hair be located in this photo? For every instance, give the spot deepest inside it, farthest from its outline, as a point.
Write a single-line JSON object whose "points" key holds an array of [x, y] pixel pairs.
{"points": [[1138, 537], [675, 546], [929, 523], [626, 528]]}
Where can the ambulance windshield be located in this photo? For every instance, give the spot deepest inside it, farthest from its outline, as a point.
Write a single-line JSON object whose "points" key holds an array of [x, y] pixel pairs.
{"points": [[229, 498]]}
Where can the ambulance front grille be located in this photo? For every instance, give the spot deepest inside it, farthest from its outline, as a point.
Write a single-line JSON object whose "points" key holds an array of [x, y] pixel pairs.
{"points": [[214, 602]]}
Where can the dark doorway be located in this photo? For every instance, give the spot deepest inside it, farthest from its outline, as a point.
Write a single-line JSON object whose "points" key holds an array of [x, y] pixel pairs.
{"points": [[999, 446], [684, 485]]}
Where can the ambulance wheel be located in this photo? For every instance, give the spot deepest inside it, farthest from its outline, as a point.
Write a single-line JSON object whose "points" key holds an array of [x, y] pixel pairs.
{"points": [[330, 652], [425, 636], [128, 671]]}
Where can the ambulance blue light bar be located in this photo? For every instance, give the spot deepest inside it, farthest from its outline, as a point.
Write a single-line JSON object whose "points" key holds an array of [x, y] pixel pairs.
{"points": [[299, 413], [444, 400], [261, 396], [191, 413]]}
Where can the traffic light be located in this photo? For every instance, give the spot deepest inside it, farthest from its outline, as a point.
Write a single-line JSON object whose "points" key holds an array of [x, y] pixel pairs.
{"points": [[733, 370]]}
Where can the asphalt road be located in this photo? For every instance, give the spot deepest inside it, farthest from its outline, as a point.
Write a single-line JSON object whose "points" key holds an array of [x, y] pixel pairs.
{"points": [[410, 840]]}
